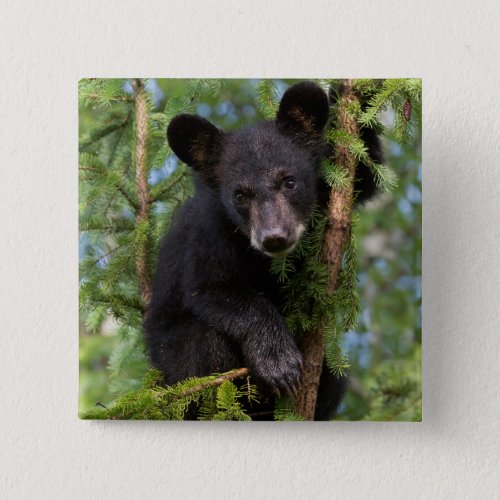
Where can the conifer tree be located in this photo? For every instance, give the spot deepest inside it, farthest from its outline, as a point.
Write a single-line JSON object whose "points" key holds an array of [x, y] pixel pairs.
{"points": [[123, 214]]}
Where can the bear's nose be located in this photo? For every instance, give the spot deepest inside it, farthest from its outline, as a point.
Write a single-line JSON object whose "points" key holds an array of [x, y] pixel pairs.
{"points": [[274, 240]]}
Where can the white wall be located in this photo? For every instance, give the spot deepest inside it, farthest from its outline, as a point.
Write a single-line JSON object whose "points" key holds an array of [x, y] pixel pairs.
{"points": [[45, 47]]}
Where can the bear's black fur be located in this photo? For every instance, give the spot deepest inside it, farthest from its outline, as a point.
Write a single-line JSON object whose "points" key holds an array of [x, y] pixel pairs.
{"points": [[215, 304]]}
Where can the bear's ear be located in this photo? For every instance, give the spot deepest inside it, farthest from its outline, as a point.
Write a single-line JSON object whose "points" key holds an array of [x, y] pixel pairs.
{"points": [[303, 109], [195, 141]]}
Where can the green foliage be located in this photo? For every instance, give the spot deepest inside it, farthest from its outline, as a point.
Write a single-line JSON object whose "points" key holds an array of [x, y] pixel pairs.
{"points": [[389, 269], [267, 98], [101, 91], [334, 175], [403, 95], [226, 407], [194, 396], [283, 411], [187, 102], [396, 390], [385, 178], [344, 312], [111, 238]]}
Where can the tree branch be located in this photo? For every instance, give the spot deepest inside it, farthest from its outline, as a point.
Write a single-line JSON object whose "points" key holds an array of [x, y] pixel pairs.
{"points": [[120, 188], [337, 232], [240, 372]]}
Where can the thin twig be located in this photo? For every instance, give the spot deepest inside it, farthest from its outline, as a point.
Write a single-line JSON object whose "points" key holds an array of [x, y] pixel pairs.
{"points": [[97, 97], [107, 254]]}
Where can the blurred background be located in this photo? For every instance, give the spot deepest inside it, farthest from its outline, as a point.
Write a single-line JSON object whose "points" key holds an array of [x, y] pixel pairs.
{"points": [[385, 348]]}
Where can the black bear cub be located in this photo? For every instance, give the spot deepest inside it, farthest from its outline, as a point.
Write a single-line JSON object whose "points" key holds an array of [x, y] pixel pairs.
{"points": [[215, 304]]}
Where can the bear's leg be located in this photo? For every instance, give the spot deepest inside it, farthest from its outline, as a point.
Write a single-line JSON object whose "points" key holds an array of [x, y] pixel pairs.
{"points": [[330, 393], [190, 349]]}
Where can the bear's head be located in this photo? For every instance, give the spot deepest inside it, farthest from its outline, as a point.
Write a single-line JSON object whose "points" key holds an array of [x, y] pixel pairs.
{"points": [[265, 175]]}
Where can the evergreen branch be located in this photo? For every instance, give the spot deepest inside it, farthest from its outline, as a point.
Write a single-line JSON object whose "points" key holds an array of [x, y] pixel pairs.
{"points": [[267, 98], [90, 297], [402, 95], [113, 156], [157, 402], [127, 351], [119, 186], [106, 254], [379, 101], [110, 227], [283, 411], [335, 176], [385, 178], [97, 97], [90, 169], [160, 189], [100, 132], [102, 91], [231, 375], [282, 267], [142, 186], [124, 193]]}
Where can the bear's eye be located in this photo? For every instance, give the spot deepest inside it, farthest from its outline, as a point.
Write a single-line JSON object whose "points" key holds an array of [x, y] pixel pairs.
{"points": [[290, 182], [239, 196]]}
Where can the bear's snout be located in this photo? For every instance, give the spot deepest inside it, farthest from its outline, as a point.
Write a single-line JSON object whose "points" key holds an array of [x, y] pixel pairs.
{"points": [[275, 240]]}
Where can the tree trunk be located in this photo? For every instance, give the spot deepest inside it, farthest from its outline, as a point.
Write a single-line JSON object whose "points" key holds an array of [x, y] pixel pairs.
{"points": [[142, 188]]}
